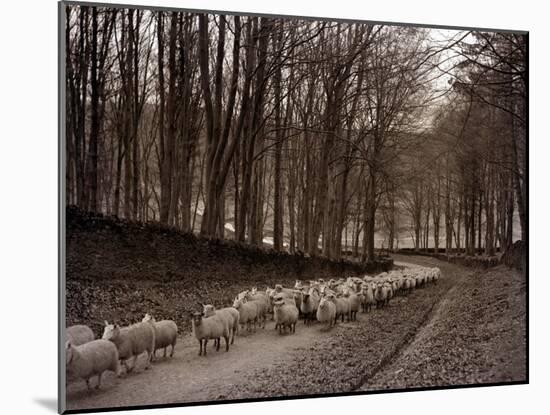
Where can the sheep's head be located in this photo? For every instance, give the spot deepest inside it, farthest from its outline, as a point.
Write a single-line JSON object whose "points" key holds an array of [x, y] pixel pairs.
{"points": [[241, 295], [148, 318], [254, 291], [196, 318], [323, 303], [278, 301], [278, 288], [329, 297], [111, 331], [298, 284], [208, 310], [238, 302]]}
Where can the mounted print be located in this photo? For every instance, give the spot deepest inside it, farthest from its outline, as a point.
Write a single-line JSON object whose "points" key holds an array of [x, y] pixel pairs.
{"points": [[258, 207]]}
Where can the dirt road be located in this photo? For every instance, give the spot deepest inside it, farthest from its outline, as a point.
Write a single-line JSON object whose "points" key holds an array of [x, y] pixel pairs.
{"points": [[375, 352]]}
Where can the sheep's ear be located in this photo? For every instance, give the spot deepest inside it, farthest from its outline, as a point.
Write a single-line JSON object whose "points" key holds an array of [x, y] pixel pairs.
{"points": [[106, 322]]}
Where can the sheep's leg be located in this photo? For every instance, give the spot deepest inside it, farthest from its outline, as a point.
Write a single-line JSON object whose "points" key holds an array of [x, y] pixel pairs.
{"points": [[98, 381], [200, 347], [226, 343], [218, 344], [164, 352], [204, 347], [88, 384], [130, 368]]}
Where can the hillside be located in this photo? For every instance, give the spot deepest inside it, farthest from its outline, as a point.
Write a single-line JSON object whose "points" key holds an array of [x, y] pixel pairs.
{"points": [[119, 270]]}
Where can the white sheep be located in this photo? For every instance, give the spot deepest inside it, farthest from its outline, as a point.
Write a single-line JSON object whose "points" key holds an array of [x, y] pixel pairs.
{"points": [[309, 304], [436, 274], [381, 294], [166, 334], [326, 312], [213, 327], [79, 334], [90, 359], [368, 297], [354, 303], [255, 295], [390, 292], [286, 315], [342, 308], [230, 314], [248, 313], [132, 341]]}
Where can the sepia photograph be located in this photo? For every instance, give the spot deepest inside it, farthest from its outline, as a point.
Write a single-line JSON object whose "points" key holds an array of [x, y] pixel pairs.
{"points": [[258, 207]]}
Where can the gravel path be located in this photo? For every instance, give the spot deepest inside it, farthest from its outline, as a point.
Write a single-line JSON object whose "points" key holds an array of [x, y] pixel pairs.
{"points": [[468, 328]]}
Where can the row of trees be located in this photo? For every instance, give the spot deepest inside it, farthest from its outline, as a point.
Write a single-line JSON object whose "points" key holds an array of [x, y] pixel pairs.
{"points": [[319, 135]]}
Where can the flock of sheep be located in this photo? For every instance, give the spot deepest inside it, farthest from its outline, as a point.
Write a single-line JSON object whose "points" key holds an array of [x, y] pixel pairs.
{"points": [[326, 302]]}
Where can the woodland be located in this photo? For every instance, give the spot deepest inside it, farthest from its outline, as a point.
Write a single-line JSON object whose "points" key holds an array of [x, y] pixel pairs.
{"points": [[324, 137]]}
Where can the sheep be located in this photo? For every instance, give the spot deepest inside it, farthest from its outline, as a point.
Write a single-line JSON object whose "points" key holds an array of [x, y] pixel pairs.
{"points": [[407, 285], [286, 315], [419, 281], [342, 308], [230, 314], [79, 334], [89, 359], [309, 304], [263, 308], [390, 292], [399, 283], [166, 334], [354, 303], [132, 341], [381, 295], [368, 297], [248, 313], [412, 282], [436, 274], [395, 287], [263, 303], [213, 327], [326, 312]]}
